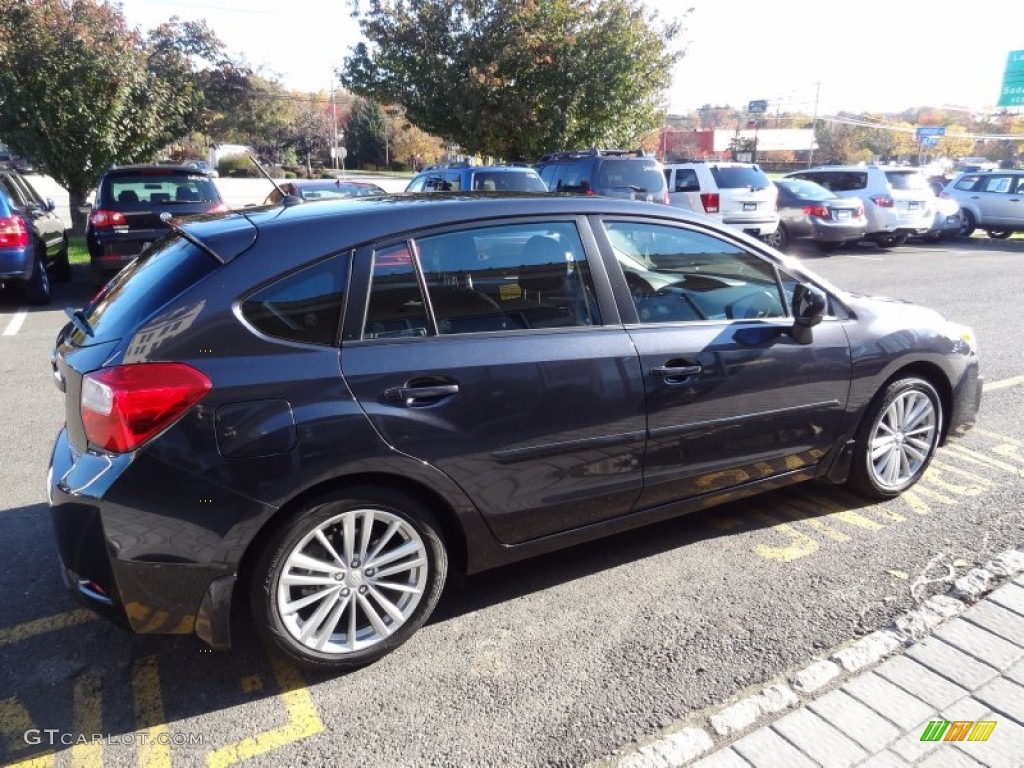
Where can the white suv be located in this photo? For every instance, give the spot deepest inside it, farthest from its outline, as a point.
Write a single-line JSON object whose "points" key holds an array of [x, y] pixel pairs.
{"points": [[738, 194], [991, 200], [898, 201]]}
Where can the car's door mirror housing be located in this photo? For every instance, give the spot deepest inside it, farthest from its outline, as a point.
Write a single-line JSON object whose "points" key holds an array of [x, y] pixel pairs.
{"points": [[809, 306], [51, 206]]}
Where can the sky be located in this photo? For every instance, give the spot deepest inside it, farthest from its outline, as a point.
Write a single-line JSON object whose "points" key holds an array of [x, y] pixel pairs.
{"points": [[865, 55]]}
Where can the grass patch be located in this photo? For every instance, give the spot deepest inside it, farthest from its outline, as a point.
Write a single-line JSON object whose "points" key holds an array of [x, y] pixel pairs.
{"points": [[78, 253]]}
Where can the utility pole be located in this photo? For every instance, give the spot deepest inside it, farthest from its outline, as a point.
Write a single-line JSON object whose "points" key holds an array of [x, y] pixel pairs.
{"points": [[814, 124], [334, 114]]}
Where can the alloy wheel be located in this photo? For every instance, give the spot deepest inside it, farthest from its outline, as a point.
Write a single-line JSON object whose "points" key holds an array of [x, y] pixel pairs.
{"points": [[902, 439]]}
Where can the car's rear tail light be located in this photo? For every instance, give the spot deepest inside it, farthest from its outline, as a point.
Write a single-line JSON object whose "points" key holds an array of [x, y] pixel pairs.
{"points": [[103, 219], [124, 406], [710, 201], [13, 232], [665, 199], [218, 208], [818, 210], [944, 195], [883, 201], [859, 213]]}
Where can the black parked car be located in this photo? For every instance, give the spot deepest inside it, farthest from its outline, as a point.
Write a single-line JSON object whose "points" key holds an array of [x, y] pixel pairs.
{"points": [[33, 241], [633, 175], [321, 408], [130, 201]]}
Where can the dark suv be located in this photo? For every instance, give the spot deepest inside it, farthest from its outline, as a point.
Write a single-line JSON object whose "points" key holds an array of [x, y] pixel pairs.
{"points": [[611, 173], [321, 408], [462, 177], [33, 241], [130, 201]]}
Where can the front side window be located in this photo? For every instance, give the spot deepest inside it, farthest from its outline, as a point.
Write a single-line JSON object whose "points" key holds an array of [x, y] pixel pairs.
{"points": [[305, 306], [676, 274], [998, 184]]}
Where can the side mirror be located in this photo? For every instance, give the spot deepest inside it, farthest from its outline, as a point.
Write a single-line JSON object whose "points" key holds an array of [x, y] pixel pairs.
{"points": [[50, 205], [809, 305]]}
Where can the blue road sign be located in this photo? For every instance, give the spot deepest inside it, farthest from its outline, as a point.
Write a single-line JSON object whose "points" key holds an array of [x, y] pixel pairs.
{"points": [[757, 107], [929, 141], [929, 130]]}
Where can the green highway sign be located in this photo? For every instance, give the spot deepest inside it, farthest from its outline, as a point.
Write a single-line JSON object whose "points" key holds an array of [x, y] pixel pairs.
{"points": [[1011, 92]]}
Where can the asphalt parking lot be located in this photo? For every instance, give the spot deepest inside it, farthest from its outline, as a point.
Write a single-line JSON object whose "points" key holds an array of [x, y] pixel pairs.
{"points": [[555, 661]]}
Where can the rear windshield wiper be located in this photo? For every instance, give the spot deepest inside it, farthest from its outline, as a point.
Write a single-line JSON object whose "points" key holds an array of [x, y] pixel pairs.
{"points": [[78, 319], [167, 219]]}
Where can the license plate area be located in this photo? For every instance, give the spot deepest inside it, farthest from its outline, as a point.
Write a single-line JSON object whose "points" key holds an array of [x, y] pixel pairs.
{"points": [[842, 215], [750, 206]]}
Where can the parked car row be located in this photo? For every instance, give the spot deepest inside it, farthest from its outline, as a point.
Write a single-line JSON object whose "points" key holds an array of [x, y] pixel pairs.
{"points": [[33, 241]]}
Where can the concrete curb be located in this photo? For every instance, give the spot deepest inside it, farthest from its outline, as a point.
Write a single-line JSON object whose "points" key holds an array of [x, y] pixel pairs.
{"points": [[694, 737]]}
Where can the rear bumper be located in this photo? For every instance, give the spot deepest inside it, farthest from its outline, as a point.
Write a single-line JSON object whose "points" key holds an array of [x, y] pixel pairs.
{"points": [[15, 263], [758, 227], [835, 231], [127, 564]]}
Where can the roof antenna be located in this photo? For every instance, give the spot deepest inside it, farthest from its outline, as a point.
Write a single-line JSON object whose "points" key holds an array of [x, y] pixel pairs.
{"points": [[286, 200]]}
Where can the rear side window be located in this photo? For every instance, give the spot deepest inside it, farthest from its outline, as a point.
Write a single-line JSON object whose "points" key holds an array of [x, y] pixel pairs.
{"points": [[686, 181], [573, 176], [160, 189], [637, 175], [842, 181], [305, 306], [1000, 184], [903, 180], [736, 177], [167, 268]]}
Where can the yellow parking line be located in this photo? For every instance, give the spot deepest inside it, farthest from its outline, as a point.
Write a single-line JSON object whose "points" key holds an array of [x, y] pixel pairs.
{"points": [[802, 545], [973, 457], [149, 714], [932, 494], [915, 502], [841, 513], [303, 721], [40, 626], [1011, 382], [996, 436], [794, 511], [15, 722], [88, 719]]}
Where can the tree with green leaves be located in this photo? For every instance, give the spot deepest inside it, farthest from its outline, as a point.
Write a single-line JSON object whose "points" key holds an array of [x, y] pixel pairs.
{"points": [[81, 90], [364, 135], [517, 78]]}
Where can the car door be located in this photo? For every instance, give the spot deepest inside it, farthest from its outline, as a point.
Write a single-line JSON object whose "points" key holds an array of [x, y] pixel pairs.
{"points": [[998, 200], [483, 352], [731, 396]]}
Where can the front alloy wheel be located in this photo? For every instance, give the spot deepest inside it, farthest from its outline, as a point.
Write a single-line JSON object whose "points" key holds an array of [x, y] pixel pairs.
{"points": [[350, 580], [898, 439]]}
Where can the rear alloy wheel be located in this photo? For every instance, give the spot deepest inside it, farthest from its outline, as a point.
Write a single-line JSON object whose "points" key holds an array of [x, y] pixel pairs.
{"points": [[897, 440], [999, 234], [778, 239], [349, 579], [37, 287], [967, 223]]}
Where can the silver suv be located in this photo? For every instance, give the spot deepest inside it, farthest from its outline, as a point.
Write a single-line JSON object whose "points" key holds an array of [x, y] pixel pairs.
{"points": [[991, 200], [898, 201], [738, 194]]}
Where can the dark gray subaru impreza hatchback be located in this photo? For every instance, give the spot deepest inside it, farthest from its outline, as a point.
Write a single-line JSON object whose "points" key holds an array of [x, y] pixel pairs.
{"points": [[320, 408]]}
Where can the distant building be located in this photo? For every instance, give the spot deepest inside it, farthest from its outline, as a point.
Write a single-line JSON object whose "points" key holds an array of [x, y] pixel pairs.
{"points": [[678, 144]]}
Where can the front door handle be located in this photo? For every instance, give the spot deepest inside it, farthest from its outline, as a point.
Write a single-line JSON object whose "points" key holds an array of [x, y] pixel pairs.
{"points": [[410, 395], [674, 374]]}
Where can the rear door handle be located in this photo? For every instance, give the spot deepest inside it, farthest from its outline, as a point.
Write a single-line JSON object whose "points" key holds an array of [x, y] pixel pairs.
{"points": [[410, 395]]}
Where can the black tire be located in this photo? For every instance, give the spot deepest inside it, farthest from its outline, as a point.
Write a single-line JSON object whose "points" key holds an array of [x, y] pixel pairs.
{"points": [[37, 287], [912, 444], [348, 583], [61, 265], [892, 241], [967, 223], [778, 239], [999, 234]]}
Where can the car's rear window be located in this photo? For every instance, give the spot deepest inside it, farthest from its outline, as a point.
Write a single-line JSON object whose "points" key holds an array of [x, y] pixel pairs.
{"points": [[806, 190], [157, 188], [171, 265], [737, 176], [515, 181], [906, 180], [638, 175]]}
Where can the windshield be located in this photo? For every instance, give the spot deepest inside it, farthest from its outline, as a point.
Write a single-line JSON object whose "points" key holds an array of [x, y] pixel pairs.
{"points": [[906, 180], [635, 174], [806, 190], [160, 188], [736, 176]]}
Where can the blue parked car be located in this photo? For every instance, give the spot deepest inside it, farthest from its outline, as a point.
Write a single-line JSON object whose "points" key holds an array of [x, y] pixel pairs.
{"points": [[33, 241]]}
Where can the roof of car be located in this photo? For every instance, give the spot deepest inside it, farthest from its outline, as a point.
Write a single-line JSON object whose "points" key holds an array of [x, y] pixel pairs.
{"points": [[150, 168]]}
